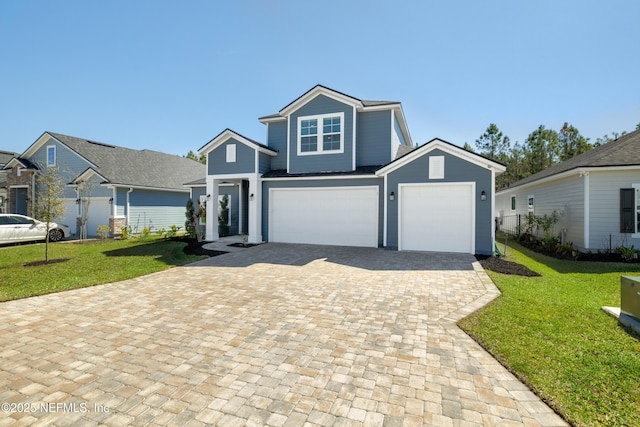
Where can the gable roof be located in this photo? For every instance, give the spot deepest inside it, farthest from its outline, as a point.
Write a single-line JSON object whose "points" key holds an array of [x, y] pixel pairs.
{"points": [[447, 147], [622, 152], [226, 134], [128, 167], [359, 104], [5, 156]]}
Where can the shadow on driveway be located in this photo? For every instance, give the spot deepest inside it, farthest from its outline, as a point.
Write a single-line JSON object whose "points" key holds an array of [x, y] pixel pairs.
{"points": [[364, 258]]}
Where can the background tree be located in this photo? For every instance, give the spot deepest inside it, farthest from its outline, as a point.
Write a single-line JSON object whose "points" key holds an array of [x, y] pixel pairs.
{"points": [[516, 167], [48, 205], [541, 149], [193, 156], [493, 144], [571, 143], [468, 147]]}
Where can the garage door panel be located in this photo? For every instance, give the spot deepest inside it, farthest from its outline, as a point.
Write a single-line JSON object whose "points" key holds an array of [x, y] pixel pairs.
{"points": [[331, 216], [437, 218]]}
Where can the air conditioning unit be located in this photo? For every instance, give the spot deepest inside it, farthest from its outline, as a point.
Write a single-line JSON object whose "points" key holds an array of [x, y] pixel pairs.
{"points": [[630, 296]]}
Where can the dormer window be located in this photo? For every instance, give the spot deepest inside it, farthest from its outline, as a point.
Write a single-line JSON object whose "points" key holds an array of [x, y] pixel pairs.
{"points": [[322, 134]]}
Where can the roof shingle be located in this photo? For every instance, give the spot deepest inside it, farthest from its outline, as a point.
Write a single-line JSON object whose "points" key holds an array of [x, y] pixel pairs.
{"points": [[140, 168]]}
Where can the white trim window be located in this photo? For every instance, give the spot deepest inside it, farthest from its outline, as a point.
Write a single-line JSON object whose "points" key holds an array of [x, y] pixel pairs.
{"points": [[321, 134], [51, 155]]}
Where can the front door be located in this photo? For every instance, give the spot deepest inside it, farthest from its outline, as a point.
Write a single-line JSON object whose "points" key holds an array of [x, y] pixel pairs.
{"points": [[20, 201]]}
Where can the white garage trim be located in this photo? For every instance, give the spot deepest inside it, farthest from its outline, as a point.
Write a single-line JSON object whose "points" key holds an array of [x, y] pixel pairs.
{"points": [[425, 214], [343, 216]]}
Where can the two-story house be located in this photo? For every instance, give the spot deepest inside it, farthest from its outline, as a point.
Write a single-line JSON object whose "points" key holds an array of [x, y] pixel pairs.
{"points": [[339, 170]]}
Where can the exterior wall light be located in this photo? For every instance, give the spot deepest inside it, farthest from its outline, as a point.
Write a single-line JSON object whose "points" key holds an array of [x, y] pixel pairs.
{"points": [[483, 195], [392, 196]]}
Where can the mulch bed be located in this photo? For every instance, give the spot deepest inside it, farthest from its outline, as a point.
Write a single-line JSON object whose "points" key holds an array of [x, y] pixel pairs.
{"points": [[500, 265], [43, 262], [195, 248], [243, 245]]}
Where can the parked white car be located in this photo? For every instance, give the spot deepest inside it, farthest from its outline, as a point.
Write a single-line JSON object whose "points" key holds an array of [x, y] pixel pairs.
{"points": [[19, 228]]}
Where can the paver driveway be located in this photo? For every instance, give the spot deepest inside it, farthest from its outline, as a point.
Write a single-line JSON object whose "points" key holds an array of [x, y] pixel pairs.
{"points": [[281, 335]]}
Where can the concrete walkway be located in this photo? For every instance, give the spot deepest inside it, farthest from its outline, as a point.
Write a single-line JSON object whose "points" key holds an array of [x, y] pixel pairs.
{"points": [[278, 335]]}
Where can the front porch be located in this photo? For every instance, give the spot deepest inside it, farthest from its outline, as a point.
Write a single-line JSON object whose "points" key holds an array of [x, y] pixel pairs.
{"points": [[247, 211]]}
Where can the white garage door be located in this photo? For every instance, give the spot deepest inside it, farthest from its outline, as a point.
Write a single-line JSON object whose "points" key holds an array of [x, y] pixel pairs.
{"points": [[437, 217], [99, 214], [343, 216]]}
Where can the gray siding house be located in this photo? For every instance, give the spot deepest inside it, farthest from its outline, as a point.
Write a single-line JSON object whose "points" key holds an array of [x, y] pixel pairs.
{"points": [[5, 157], [339, 170], [596, 196], [136, 188]]}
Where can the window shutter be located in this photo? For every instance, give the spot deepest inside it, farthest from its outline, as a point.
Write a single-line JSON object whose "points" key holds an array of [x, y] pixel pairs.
{"points": [[627, 202]]}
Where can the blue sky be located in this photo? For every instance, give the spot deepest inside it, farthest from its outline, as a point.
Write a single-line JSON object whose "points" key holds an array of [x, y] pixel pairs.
{"points": [[171, 75]]}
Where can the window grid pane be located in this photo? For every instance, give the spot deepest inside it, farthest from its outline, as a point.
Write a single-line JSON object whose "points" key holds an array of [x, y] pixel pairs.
{"points": [[308, 144]]}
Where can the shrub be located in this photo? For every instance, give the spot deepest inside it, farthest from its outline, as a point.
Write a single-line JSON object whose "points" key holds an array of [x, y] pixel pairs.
{"points": [[173, 231], [190, 223], [550, 244], [125, 232], [627, 253], [103, 231], [146, 232]]}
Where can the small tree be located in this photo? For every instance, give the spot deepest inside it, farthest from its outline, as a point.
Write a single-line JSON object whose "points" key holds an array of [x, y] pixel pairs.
{"points": [[190, 223], [85, 188], [48, 205]]}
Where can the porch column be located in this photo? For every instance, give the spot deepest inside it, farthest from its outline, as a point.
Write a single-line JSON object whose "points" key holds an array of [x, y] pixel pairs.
{"points": [[255, 210], [211, 225]]}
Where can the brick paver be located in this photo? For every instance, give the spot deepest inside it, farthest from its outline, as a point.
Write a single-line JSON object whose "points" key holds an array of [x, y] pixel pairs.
{"points": [[277, 335]]}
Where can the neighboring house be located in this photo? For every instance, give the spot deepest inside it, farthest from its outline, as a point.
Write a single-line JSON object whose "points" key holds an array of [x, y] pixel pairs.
{"points": [[596, 196], [338, 170], [5, 156], [138, 188]]}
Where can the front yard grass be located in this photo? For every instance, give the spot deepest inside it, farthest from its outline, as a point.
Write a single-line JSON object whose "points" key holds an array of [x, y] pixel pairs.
{"points": [[84, 264], [551, 332]]}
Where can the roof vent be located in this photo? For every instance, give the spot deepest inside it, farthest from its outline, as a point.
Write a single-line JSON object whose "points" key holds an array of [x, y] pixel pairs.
{"points": [[101, 144]]}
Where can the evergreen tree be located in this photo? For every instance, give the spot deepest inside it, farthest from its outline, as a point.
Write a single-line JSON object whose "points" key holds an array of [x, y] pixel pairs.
{"points": [[541, 149], [190, 223], [571, 143], [193, 156], [493, 144]]}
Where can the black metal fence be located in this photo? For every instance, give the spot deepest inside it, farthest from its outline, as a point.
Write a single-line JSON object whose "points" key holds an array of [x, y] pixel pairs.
{"points": [[511, 224]]}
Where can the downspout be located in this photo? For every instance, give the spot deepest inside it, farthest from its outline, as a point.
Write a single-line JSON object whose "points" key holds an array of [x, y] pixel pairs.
{"points": [[114, 201], [587, 207], [128, 207]]}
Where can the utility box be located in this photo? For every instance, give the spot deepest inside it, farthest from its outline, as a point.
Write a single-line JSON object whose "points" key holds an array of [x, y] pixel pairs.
{"points": [[630, 296]]}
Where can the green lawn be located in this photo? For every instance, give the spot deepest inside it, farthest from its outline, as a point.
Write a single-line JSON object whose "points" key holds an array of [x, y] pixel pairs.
{"points": [[551, 332], [87, 264]]}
